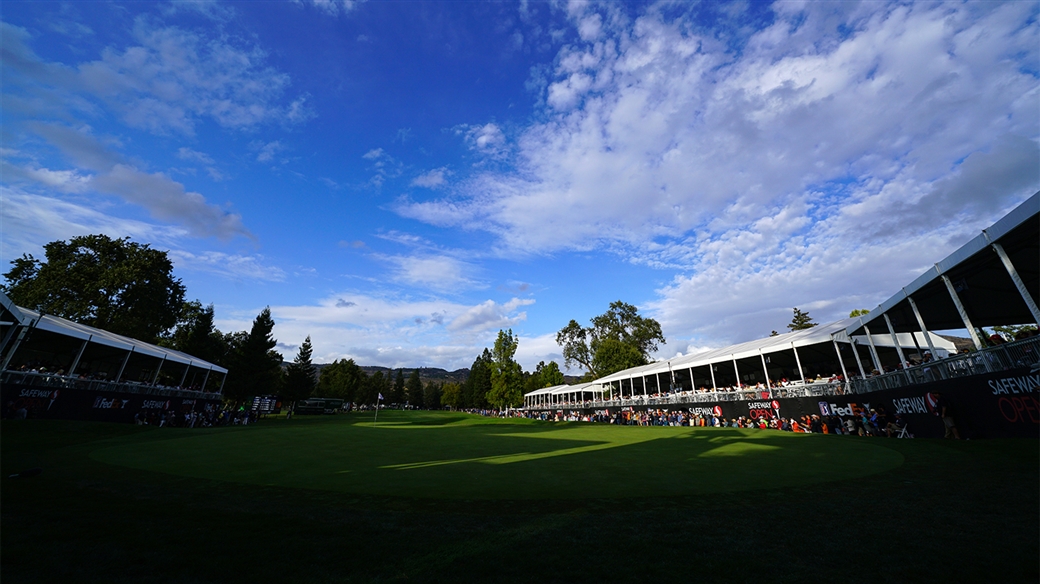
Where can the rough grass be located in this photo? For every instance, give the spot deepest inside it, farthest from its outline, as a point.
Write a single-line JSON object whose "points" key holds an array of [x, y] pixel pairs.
{"points": [[446, 497]]}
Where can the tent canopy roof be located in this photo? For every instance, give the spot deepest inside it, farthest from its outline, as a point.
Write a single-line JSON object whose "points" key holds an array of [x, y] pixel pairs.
{"points": [[978, 276], [67, 328]]}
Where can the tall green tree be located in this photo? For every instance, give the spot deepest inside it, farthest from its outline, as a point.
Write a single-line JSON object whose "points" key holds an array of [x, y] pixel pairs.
{"points": [[549, 374], [196, 335], [254, 367], [613, 355], [397, 396], [374, 385], [859, 312], [117, 285], [299, 380], [478, 383], [414, 389], [451, 395], [621, 323], [801, 321], [341, 379], [432, 396], [507, 377]]}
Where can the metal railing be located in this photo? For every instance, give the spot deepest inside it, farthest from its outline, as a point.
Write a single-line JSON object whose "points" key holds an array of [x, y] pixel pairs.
{"points": [[692, 398], [51, 380], [1016, 355]]}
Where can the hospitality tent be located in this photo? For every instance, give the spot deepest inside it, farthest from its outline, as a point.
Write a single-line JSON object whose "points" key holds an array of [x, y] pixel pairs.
{"points": [[58, 344]]}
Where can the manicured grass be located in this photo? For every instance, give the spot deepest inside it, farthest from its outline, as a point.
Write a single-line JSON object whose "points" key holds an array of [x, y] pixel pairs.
{"points": [[447, 497], [465, 457]]}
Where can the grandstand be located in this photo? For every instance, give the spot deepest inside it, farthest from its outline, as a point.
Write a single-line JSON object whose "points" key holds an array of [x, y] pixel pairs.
{"points": [[891, 355], [58, 368]]}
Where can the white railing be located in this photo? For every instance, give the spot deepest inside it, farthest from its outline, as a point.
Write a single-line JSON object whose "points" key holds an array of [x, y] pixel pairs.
{"points": [[1016, 355]]}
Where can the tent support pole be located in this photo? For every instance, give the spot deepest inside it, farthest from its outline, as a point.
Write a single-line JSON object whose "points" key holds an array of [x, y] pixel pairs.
{"points": [[841, 361], [1022, 290], [79, 355], [123, 366], [766, 369], [964, 313], [798, 361], [873, 350], [859, 362]]}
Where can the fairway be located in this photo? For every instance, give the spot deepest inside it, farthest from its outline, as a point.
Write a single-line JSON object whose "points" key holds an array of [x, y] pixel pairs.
{"points": [[458, 456]]}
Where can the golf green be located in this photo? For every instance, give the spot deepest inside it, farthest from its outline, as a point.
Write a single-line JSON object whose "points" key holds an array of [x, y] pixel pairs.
{"points": [[456, 456]]}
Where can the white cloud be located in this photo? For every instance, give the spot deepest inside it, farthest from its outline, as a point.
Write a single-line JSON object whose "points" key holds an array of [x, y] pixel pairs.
{"points": [[194, 156], [333, 7], [432, 179], [391, 331], [658, 131], [490, 315], [822, 162], [437, 272], [170, 80], [164, 198], [30, 220], [487, 139], [230, 266], [268, 151]]}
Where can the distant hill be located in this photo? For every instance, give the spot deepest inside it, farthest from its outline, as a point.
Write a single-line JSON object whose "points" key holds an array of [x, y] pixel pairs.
{"points": [[426, 374]]}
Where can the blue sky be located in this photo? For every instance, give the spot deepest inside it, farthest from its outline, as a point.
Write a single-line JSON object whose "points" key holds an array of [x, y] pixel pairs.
{"points": [[400, 180]]}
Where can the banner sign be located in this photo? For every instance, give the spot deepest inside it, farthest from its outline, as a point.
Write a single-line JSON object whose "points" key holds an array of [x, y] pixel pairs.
{"points": [[996, 405], [69, 403]]}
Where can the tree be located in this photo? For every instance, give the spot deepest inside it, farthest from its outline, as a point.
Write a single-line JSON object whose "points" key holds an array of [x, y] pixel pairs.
{"points": [[506, 375], [613, 355], [432, 396], [373, 386], [620, 323], [397, 395], [254, 367], [299, 381], [196, 335], [801, 321], [478, 384], [414, 389], [1009, 332], [451, 395], [550, 374], [341, 379], [112, 284], [859, 312]]}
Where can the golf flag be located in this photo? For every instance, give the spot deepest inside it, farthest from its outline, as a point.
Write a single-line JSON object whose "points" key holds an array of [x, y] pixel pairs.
{"points": [[380, 396]]}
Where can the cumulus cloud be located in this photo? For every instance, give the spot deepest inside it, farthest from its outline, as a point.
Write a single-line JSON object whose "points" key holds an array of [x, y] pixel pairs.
{"points": [[167, 82], [490, 315], [164, 198], [268, 151], [820, 162], [432, 179], [387, 330], [654, 129], [487, 139]]}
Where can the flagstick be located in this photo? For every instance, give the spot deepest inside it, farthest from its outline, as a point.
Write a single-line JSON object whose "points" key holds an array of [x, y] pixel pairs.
{"points": [[376, 421]]}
